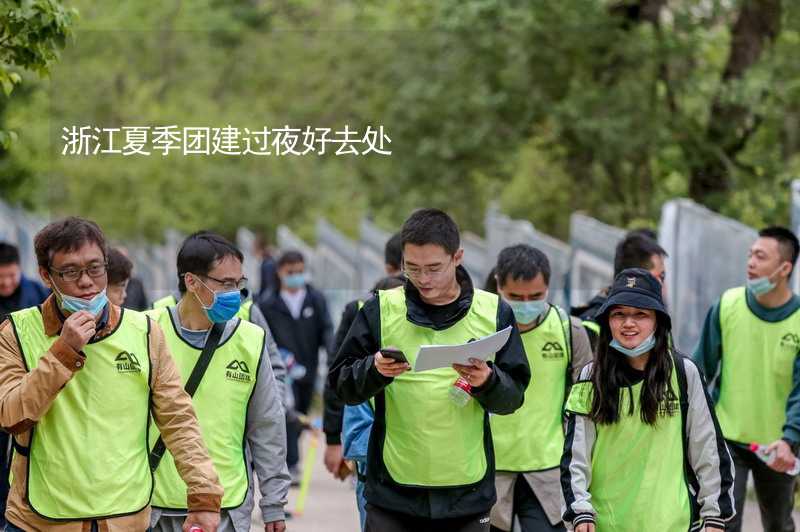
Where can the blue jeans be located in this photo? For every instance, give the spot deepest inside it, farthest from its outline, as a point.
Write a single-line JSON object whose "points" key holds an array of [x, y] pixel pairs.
{"points": [[361, 501]]}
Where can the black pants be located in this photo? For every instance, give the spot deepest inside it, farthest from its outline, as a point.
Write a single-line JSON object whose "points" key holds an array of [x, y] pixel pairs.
{"points": [[529, 511], [381, 520], [774, 491], [303, 393]]}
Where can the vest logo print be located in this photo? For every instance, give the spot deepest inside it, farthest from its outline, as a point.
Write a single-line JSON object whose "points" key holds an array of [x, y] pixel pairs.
{"points": [[552, 351], [127, 363], [791, 340], [669, 405], [237, 371]]}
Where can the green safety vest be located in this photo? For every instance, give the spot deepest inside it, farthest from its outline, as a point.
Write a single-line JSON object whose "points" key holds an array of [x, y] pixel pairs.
{"points": [[220, 402], [244, 309], [756, 376], [429, 441], [88, 457], [532, 438], [164, 302], [592, 326], [637, 480]]}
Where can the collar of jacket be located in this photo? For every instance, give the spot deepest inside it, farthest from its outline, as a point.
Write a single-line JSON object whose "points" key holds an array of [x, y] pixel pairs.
{"points": [[53, 318], [276, 302], [417, 309]]}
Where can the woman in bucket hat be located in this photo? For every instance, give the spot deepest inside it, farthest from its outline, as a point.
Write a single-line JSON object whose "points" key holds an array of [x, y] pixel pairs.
{"points": [[643, 448]]}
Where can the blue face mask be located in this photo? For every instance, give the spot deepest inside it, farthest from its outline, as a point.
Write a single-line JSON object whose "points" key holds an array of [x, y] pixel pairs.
{"points": [[639, 350], [295, 280], [526, 312], [760, 286], [71, 304], [224, 306]]}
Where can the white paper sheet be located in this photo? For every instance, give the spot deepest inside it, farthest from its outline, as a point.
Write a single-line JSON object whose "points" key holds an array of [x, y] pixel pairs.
{"points": [[444, 356]]}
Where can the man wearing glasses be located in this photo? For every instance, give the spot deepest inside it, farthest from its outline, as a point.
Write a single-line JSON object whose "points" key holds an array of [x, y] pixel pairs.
{"points": [[430, 463], [237, 398], [79, 380]]}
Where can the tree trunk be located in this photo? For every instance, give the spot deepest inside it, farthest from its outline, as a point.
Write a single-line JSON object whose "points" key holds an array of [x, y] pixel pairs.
{"points": [[730, 124]]}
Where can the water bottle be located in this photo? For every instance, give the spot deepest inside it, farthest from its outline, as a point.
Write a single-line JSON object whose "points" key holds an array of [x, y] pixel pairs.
{"points": [[460, 392], [768, 457]]}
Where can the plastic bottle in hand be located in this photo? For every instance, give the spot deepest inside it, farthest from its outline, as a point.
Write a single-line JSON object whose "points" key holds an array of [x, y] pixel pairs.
{"points": [[460, 392], [768, 457]]}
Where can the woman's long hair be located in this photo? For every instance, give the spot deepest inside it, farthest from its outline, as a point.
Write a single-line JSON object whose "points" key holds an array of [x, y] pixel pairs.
{"points": [[608, 377]]}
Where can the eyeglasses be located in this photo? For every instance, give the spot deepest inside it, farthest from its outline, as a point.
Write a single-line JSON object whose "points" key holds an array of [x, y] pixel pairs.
{"points": [[229, 285], [414, 272], [71, 274]]}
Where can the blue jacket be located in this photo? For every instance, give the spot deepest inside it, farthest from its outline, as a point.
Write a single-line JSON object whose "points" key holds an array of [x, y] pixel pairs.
{"points": [[356, 427], [29, 293]]}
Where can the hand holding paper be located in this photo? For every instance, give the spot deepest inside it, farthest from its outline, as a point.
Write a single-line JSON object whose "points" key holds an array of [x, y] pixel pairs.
{"points": [[476, 374], [444, 356]]}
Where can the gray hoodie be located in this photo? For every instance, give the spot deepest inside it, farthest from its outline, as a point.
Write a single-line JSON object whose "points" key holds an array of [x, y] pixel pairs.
{"points": [[265, 449]]}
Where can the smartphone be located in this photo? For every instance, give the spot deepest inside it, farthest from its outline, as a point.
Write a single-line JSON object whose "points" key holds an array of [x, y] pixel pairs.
{"points": [[394, 354]]}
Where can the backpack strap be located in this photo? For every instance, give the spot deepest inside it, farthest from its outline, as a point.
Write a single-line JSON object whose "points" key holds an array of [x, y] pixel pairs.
{"points": [[200, 367]]}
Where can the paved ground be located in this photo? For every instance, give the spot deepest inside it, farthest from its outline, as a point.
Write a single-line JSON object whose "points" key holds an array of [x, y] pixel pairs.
{"points": [[330, 506]]}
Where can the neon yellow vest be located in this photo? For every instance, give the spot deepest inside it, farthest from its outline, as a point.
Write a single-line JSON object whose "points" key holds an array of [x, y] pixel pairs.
{"points": [[532, 438], [220, 402], [88, 456], [592, 326], [430, 441], [244, 310], [166, 301], [757, 364], [637, 478]]}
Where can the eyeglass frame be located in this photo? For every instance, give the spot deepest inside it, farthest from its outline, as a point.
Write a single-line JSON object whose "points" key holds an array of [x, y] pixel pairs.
{"points": [[79, 272], [241, 284], [422, 271]]}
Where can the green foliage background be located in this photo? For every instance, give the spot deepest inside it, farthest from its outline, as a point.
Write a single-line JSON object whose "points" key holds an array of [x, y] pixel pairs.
{"points": [[545, 106]]}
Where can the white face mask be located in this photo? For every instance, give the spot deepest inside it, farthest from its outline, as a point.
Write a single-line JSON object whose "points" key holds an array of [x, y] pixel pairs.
{"points": [[73, 304], [633, 352]]}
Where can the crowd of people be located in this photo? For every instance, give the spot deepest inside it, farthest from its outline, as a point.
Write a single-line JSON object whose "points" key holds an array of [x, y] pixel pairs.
{"points": [[187, 412]]}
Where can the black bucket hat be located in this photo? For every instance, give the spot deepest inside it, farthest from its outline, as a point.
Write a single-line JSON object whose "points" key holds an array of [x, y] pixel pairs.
{"points": [[635, 287]]}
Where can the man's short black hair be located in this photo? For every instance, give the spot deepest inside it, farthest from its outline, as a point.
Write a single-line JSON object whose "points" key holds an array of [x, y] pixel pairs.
{"points": [[644, 231], [119, 267], [636, 250], [393, 252], [787, 242], [200, 252], [387, 283], [9, 254], [490, 284], [66, 235], [431, 226], [290, 257], [521, 263]]}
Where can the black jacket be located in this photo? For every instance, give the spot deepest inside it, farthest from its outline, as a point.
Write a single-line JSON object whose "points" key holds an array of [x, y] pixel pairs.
{"points": [[355, 379], [589, 311], [334, 407], [303, 337]]}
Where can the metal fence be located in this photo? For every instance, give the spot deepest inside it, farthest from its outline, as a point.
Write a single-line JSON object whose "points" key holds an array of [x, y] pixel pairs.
{"points": [[592, 260], [502, 231], [707, 255]]}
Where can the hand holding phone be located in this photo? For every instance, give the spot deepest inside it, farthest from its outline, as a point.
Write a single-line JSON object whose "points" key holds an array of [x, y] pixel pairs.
{"points": [[391, 362]]}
